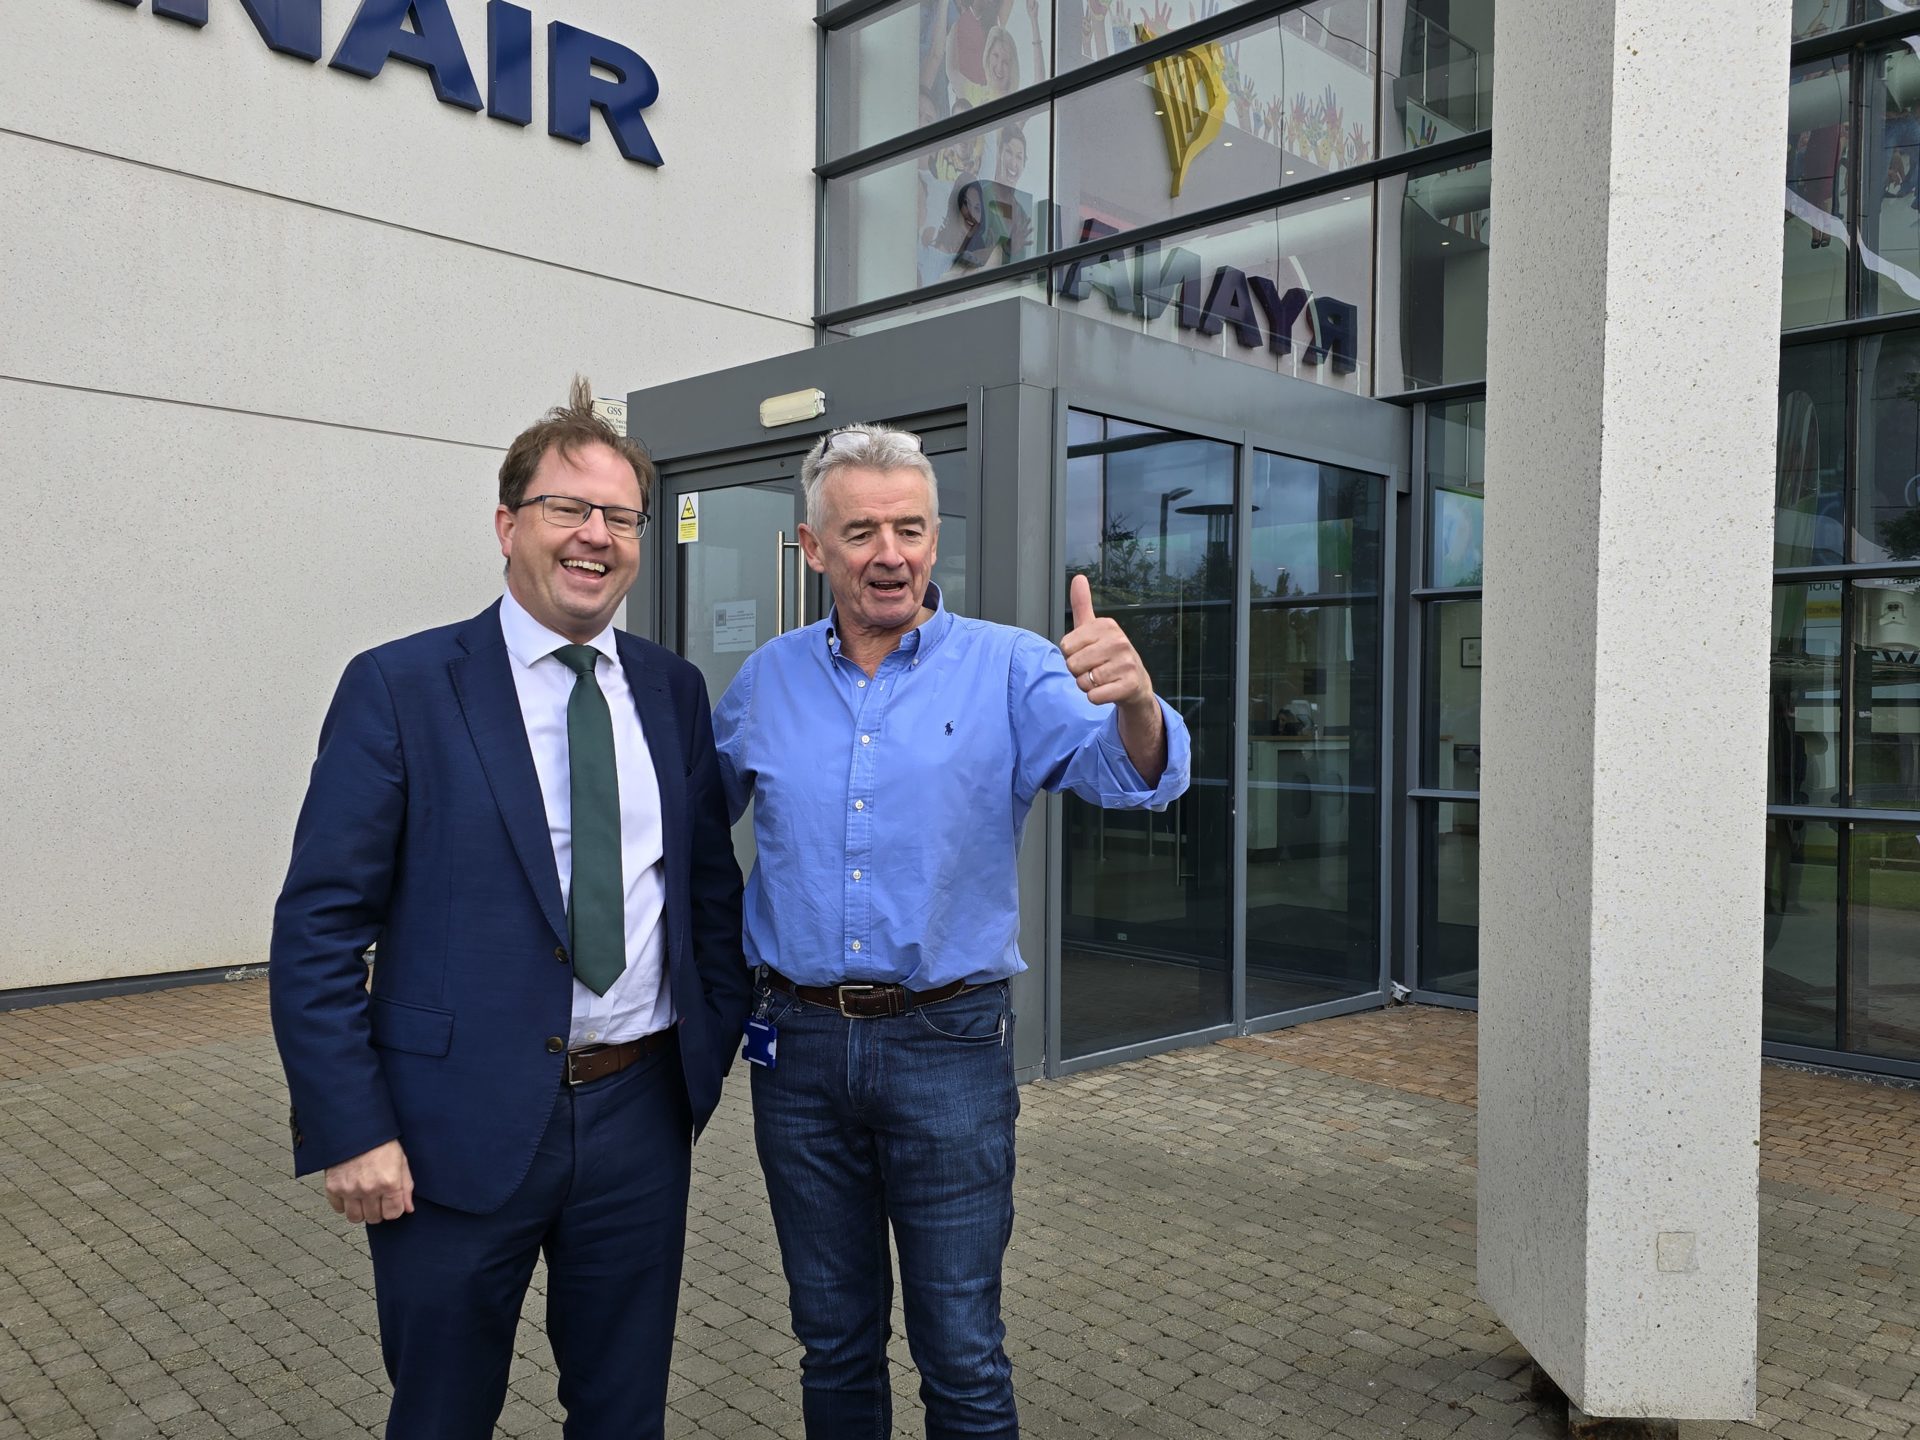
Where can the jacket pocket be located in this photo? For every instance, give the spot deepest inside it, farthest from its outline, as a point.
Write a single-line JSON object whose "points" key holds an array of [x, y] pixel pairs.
{"points": [[415, 1028]]}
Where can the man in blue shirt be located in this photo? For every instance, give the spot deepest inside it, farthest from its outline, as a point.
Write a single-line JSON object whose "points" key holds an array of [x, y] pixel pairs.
{"points": [[891, 753]]}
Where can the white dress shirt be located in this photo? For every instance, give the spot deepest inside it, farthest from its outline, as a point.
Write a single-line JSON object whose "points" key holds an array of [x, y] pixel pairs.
{"points": [[639, 1002]]}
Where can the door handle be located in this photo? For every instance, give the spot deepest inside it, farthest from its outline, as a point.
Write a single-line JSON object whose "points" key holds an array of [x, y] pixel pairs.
{"points": [[780, 547]]}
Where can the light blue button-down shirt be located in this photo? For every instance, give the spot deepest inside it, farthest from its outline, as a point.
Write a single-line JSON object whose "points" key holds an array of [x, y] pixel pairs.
{"points": [[888, 811]]}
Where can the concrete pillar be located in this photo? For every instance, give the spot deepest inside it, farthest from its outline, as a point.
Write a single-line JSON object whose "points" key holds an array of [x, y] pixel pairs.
{"points": [[1633, 353]]}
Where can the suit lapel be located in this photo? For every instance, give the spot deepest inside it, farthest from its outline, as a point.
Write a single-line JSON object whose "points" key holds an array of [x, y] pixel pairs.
{"points": [[659, 724], [483, 679]]}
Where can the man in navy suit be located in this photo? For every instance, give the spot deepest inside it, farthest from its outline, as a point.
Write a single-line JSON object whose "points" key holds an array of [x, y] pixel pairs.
{"points": [[524, 810]]}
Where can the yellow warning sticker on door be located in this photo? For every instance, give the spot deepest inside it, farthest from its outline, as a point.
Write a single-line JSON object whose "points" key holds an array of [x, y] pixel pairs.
{"points": [[689, 519]]}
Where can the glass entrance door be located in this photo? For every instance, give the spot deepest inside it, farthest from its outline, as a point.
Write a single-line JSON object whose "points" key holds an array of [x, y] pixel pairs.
{"points": [[1250, 582], [739, 579]]}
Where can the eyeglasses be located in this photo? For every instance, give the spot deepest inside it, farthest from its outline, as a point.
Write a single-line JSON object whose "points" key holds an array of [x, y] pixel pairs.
{"points": [[850, 439], [570, 514]]}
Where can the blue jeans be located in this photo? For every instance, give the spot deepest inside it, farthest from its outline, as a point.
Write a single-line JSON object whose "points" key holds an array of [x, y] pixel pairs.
{"points": [[907, 1122]]}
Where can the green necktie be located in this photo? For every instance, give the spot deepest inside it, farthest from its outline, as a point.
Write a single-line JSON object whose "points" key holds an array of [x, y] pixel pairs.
{"points": [[597, 907]]}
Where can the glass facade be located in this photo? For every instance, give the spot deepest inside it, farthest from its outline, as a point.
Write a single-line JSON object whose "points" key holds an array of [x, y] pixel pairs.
{"points": [[1306, 188], [1089, 152], [1843, 873]]}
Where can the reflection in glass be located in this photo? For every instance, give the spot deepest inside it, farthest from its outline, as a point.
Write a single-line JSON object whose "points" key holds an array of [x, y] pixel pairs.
{"points": [[1435, 236], [915, 63], [1804, 703], [1814, 270], [1288, 290], [1457, 483], [1095, 29], [1450, 897], [1146, 939], [1883, 914], [1439, 81], [952, 566], [1890, 191], [1886, 508], [1800, 990], [1278, 103], [1817, 17], [1886, 681], [1810, 458], [1312, 720], [1453, 695], [972, 203]]}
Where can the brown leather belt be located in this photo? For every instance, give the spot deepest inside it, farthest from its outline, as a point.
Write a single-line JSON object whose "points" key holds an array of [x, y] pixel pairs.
{"points": [[596, 1062], [866, 1002]]}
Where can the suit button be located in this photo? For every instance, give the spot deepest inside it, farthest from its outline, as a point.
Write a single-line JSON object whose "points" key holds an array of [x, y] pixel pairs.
{"points": [[560, 953], [555, 1044]]}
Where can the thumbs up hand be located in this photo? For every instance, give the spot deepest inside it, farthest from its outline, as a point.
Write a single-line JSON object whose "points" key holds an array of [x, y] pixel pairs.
{"points": [[1101, 657]]}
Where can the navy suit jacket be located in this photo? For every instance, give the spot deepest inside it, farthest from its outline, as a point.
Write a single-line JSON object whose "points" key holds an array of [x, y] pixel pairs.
{"points": [[423, 829]]}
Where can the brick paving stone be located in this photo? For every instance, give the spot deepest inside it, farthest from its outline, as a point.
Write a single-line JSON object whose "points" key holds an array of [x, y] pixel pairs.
{"points": [[1266, 1237]]}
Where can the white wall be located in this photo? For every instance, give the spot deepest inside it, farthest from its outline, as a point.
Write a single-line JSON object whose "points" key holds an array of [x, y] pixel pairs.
{"points": [[267, 328]]}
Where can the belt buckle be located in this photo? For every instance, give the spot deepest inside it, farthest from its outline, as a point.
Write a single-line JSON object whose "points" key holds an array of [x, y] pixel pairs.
{"points": [[585, 1052], [840, 996]]}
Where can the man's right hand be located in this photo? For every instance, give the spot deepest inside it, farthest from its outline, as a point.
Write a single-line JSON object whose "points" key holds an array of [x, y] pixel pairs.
{"points": [[372, 1187]]}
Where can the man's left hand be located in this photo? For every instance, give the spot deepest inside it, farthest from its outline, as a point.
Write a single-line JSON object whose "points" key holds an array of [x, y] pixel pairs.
{"points": [[1109, 670], [1101, 657]]}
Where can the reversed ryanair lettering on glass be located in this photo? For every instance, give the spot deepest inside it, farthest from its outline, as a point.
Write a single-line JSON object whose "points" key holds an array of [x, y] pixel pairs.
{"points": [[1285, 291], [585, 72]]}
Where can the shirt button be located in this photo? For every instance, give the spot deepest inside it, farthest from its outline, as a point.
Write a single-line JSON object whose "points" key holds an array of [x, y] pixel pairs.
{"points": [[592, 1035], [856, 874], [859, 804], [866, 739], [861, 683], [856, 944]]}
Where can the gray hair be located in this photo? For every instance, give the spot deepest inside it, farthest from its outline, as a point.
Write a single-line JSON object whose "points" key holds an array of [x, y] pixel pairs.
{"points": [[864, 447]]}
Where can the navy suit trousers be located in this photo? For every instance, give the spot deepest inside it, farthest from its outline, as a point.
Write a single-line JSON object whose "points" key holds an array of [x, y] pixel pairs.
{"points": [[606, 1201]]}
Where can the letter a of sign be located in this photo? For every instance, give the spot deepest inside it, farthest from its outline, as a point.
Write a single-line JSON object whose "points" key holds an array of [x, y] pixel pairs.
{"points": [[1190, 89]]}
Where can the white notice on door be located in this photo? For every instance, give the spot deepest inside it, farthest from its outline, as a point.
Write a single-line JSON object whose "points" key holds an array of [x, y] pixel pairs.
{"points": [[735, 625]]}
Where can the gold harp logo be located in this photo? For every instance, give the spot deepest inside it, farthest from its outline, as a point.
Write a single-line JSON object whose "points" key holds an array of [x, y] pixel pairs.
{"points": [[1190, 89]]}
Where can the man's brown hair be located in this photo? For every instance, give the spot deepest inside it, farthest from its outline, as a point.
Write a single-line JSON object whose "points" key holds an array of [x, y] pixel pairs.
{"points": [[569, 427]]}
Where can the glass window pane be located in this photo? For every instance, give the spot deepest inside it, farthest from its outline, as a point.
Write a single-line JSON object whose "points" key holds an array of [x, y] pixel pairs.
{"points": [[1457, 485], [1886, 726], [1288, 290], [1810, 459], [1279, 102], [1095, 29], [1886, 507], [1313, 708], [976, 202], [919, 62], [1817, 17], [1800, 989], [1883, 921], [1450, 898], [1814, 273], [953, 564], [1438, 58], [1453, 696], [1805, 696], [1435, 234], [1146, 938], [1890, 196]]}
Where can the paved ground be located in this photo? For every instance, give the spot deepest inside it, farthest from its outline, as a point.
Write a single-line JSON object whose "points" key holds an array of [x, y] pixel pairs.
{"points": [[1265, 1237]]}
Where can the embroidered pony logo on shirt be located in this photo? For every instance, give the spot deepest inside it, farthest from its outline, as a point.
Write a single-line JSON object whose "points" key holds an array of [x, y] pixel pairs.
{"points": [[949, 727]]}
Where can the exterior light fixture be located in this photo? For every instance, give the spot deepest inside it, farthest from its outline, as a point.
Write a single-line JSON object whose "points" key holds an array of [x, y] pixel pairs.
{"points": [[792, 408]]}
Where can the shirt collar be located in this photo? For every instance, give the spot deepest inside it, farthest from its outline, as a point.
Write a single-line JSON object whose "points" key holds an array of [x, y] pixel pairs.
{"points": [[918, 641], [528, 640]]}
